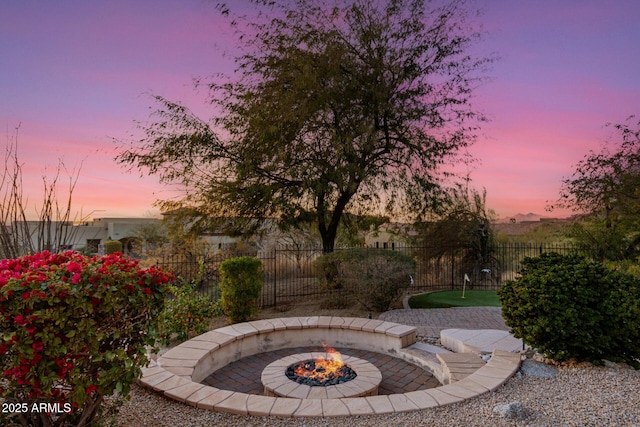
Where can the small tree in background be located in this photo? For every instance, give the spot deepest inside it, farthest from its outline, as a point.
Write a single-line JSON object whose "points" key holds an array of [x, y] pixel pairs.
{"points": [[605, 187], [241, 281], [149, 238], [176, 243], [462, 232], [375, 278]]}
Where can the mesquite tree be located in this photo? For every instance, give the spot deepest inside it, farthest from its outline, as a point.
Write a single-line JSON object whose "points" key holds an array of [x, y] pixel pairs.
{"points": [[336, 107]]}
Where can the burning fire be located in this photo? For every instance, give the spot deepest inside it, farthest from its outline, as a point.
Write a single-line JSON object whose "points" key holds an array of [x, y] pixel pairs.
{"points": [[322, 368]]}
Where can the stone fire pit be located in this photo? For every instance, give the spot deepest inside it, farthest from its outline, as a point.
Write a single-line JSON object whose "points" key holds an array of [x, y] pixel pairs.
{"points": [[277, 384], [178, 373]]}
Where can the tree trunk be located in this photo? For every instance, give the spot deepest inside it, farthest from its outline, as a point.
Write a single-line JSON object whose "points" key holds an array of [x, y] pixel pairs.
{"points": [[329, 238], [329, 232]]}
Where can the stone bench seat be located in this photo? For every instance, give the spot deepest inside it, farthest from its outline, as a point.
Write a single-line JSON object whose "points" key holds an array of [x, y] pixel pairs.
{"points": [[179, 371]]}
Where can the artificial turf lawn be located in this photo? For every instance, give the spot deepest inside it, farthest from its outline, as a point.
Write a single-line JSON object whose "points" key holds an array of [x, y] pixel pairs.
{"points": [[446, 299]]}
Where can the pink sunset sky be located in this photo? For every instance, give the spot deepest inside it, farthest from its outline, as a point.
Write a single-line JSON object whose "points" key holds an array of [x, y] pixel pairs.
{"points": [[75, 75]]}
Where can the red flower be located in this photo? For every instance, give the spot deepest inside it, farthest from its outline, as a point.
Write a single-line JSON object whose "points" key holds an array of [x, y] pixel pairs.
{"points": [[37, 346], [91, 389], [74, 267]]}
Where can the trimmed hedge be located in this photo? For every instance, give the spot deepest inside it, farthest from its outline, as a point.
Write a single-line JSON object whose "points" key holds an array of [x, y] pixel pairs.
{"points": [[572, 308], [112, 246], [376, 278], [241, 281]]}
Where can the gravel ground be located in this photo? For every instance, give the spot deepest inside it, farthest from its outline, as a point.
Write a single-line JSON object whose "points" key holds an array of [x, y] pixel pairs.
{"points": [[582, 395]]}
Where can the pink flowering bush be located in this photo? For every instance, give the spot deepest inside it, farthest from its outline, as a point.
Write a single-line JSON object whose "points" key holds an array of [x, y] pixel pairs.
{"points": [[73, 331]]}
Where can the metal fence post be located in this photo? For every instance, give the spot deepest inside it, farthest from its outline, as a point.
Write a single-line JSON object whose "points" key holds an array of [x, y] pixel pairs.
{"points": [[275, 276], [453, 264]]}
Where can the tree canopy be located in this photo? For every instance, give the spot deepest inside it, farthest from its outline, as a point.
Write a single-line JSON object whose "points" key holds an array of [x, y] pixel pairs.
{"points": [[464, 228], [606, 187], [336, 106]]}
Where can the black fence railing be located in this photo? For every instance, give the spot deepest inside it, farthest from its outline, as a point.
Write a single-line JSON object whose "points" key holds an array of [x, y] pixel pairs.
{"points": [[289, 274]]}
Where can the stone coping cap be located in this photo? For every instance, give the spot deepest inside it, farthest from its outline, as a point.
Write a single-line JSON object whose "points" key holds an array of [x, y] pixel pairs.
{"points": [[198, 347]]}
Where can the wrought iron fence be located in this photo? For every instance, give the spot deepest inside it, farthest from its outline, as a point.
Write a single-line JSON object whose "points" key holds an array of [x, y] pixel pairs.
{"points": [[289, 273]]}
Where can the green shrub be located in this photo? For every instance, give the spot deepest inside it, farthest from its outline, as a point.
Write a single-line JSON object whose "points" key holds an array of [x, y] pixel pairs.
{"points": [[327, 267], [623, 309], [375, 278], [571, 308], [240, 287], [74, 330], [112, 246], [186, 314]]}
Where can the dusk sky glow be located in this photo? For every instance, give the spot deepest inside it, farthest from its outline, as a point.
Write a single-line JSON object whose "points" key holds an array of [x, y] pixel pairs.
{"points": [[74, 75]]}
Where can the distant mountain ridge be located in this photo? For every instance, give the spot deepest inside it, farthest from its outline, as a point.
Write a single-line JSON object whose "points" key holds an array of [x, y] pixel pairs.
{"points": [[529, 217]]}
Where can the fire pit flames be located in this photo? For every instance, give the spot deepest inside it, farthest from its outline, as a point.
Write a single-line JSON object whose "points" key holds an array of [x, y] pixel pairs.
{"points": [[321, 371]]}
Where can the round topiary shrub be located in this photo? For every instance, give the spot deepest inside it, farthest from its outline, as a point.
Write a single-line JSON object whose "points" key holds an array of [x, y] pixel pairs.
{"points": [[73, 331], [375, 278], [569, 307], [240, 287], [112, 246]]}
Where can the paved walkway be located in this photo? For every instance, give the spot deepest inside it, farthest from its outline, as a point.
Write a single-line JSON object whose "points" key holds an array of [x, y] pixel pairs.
{"points": [[429, 322]]}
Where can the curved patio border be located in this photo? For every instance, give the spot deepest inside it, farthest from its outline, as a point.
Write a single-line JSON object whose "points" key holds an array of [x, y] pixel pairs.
{"points": [[177, 373]]}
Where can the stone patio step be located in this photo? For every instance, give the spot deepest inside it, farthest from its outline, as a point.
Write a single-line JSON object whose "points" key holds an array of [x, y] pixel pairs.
{"points": [[457, 366], [481, 341], [424, 355]]}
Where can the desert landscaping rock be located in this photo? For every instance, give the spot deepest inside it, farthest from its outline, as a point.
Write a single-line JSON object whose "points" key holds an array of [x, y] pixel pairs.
{"points": [[538, 369], [511, 411]]}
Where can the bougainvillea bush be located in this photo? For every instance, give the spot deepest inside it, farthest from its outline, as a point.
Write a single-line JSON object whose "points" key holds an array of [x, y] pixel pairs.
{"points": [[73, 331]]}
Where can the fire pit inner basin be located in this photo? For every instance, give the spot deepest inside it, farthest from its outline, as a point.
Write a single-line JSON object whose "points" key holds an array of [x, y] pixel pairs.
{"points": [[321, 371], [362, 378]]}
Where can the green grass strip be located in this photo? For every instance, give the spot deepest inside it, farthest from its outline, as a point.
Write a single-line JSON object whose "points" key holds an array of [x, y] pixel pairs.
{"points": [[447, 299]]}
